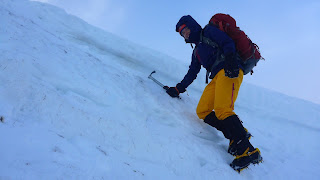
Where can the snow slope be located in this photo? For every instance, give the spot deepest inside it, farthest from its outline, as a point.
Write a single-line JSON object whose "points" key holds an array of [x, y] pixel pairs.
{"points": [[78, 104]]}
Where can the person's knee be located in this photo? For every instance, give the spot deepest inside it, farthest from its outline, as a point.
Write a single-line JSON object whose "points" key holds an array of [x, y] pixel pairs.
{"points": [[224, 113], [202, 113]]}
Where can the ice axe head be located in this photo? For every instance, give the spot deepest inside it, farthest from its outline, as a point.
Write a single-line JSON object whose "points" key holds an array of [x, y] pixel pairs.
{"points": [[152, 73]]}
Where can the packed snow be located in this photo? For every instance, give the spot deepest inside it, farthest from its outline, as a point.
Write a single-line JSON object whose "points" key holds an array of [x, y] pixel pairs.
{"points": [[77, 103]]}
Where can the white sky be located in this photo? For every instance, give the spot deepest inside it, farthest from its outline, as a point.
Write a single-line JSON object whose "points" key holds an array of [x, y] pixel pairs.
{"points": [[285, 30]]}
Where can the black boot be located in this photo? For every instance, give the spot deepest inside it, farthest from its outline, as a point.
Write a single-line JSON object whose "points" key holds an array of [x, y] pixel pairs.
{"points": [[233, 124], [243, 161], [213, 121], [245, 152], [232, 149]]}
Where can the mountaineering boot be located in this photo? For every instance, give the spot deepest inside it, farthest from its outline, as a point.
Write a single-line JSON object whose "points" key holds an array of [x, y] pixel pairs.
{"points": [[243, 161], [245, 152], [232, 149], [233, 126]]}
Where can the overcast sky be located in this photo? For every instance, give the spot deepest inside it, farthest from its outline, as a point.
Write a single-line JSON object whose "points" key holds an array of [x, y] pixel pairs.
{"points": [[285, 30]]}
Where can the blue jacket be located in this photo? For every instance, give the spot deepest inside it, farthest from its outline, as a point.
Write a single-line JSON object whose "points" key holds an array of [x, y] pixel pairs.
{"points": [[204, 54]]}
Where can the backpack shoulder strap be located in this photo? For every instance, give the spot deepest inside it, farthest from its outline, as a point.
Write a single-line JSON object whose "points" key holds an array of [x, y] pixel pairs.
{"points": [[213, 44], [207, 40]]}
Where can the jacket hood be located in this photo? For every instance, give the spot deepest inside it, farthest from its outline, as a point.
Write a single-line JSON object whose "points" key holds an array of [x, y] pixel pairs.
{"points": [[194, 27]]}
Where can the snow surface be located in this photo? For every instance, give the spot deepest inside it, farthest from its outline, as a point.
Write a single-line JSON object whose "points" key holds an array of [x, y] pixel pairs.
{"points": [[77, 104]]}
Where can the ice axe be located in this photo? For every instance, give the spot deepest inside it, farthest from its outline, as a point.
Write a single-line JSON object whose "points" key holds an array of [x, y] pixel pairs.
{"points": [[159, 83], [156, 81]]}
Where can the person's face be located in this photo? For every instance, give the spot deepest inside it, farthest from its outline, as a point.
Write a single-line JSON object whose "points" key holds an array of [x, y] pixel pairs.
{"points": [[185, 33]]}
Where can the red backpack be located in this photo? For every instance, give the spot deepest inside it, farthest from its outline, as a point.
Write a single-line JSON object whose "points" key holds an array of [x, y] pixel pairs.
{"points": [[248, 51]]}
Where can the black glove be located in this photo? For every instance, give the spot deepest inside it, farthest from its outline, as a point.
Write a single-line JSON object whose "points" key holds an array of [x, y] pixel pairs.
{"points": [[175, 91], [231, 67]]}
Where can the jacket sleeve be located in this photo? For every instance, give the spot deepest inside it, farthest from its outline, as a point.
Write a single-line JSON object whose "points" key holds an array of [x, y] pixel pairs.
{"points": [[193, 71]]}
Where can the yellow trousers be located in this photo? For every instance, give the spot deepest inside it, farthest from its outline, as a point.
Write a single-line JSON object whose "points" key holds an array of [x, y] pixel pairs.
{"points": [[220, 95]]}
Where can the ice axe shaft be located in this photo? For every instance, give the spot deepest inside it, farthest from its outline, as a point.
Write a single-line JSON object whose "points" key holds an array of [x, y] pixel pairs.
{"points": [[159, 83], [156, 81]]}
